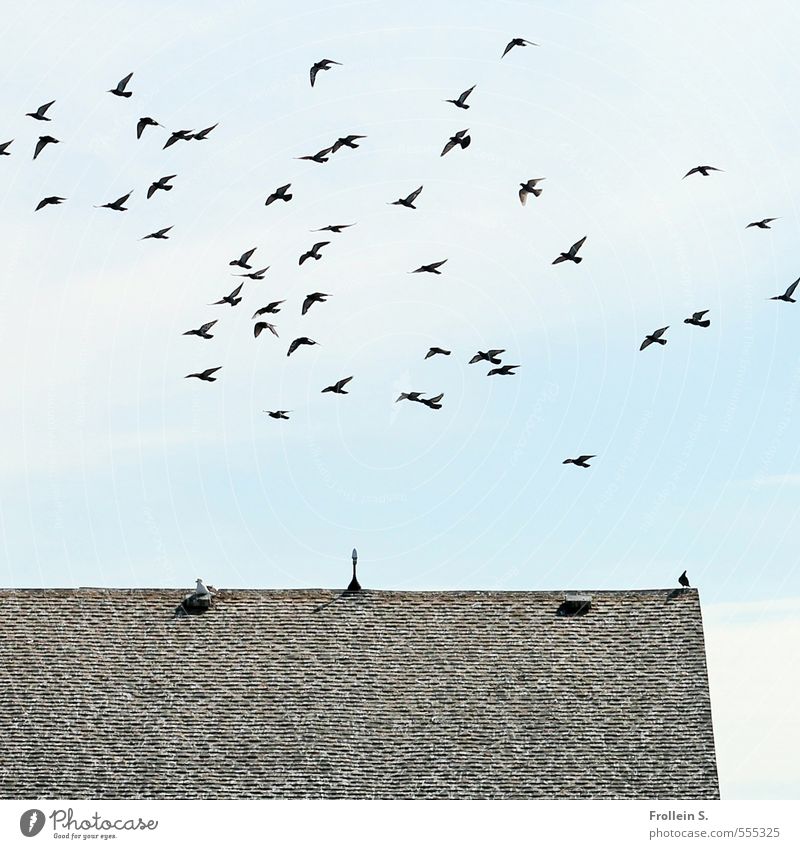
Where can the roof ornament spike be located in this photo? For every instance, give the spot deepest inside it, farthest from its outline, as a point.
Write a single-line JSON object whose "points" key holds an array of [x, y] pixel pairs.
{"points": [[354, 586]]}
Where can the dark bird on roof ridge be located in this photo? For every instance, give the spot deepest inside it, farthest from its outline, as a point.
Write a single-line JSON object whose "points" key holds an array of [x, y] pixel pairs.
{"points": [[202, 135], [313, 298], [117, 205], [787, 295], [145, 122], [202, 331], [763, 224], [571, 254], [580, 461], [655, 336], [206, 375], [432, 352], [518, 42], [177, 135], [314, 253], [507, 369], [529, 188], [243, 259], [162, 183], [278, 414], [320, 156], [700, 169], [333, 228], [407, 201], [42, 143], [301, 340], [255, 275], [431, 268], [697, 319], [460, 138], [433, 402], [461, 100], [231, 299], [39, 114], [409, 396], [346, 141], [338, 387], [271, 308], [491, 356], [53, 200], [322, 65], [281, 193], [683, 580], [159, 234], [4, 148], [121, 86], [264, 325]]}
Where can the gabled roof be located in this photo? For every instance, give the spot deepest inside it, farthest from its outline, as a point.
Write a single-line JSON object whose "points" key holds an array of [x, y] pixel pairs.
{"points": [[278, 693]]}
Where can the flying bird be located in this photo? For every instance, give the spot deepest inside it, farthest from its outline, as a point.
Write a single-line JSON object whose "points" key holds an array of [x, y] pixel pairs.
{"points": [[117, 205], [787, 295], [243, 259], [177, 135], [346, 141], [54, 200], [683, 580], [432, 352], [270, 309], [700, 169], [231, 299], [4, 148], [460, 138], [206, 375], [518, 42], [259, 326], [203, 134], [322, 65], [320, 156], [39, 114], [42, 144], [571, 254], [314, 253], [333, 228], [313, 298], [281, 193], [461, 100], [655, 336], [145, 122], [407, 201], [278, 414], [255, 275], [202, 331], [491, 356], [301, 340], [529, 188], [580, 461], [697, 319], [432, 268], [121, 86], [502, 370], [162, 183], [338, 387], [159, 234], [409, 396], [433, 403], [763, 224]]}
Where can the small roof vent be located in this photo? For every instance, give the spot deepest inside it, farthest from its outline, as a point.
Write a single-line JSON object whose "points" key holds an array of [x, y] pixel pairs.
{"points": [[354, 586], [575, 604]]}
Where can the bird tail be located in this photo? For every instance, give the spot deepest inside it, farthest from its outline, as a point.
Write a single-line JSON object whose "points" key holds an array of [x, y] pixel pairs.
{"points": [[578, 259], [704, 323], [536, 192], [168, 188], [660, 341], [288, 197]]}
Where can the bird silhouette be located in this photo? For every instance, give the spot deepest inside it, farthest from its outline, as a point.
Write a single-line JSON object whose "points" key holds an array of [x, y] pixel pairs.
{"points": [[346, 141], [518, 42], [278, 414], [301, 340], [320, 156], [176, 136], [145, 122], [700, 169], [243, 259], [491, 356], [683, 580], [697, 319], [121, 86], [431, 268], [162, 183], [433, 403], [787, 295], [338, 387], [255, 275], [117, 205], [322, 65], [333, 228], [763, 224], [571, 254], [281, 193], [4, 148], [461, 100], [506, 370], [409, 396], [314, 253], [206, 375], [39, 114], [202, 331], [159, 234], [580, 461], [42, 144], [260, 326], [432, 352], [231, 299], [313, 298], [529, 188], [270, 309], [203, 134], [459, 139], [655, 336], [54, 201], [407, 201]]}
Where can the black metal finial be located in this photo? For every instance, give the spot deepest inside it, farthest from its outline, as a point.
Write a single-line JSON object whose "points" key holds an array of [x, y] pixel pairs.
{"points": [[354, 586]]}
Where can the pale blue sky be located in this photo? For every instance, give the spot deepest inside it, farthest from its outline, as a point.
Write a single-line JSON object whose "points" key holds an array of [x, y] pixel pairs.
{"points": [[117, 471]]}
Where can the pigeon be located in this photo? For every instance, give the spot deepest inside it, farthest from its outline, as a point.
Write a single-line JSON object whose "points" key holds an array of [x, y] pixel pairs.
{"points": [[121, 85], [655, 336], [460, 138], [42, 143], [787, 295], [697, 319], [529, 188], [571, 254], [255, 275], [338, 387], [178, 135], [231, 299], [580, 461], [161, 183], [409, 396], [433, 403], [243, 259], [491, 356], [278, 414], [461, 100], [117, 205], [201, 588], [502, 370], [346, 141], [322, 65], [4, 148], [763, 224], [264, 325], [432, 267], [281, 193], [270, 309], [39, 114], [145, 122], [313, 298], [700, 169], [320, 156], [203, 134], [333, 228], [432, 352], [54, 200], [314, 253], [683, 580], [159, 234], [301, 340], [202, 331], [518, 42], [407, 201], [206, 375]]}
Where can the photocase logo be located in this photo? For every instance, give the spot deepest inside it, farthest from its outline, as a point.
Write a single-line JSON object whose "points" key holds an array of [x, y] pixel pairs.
{"points": [[31, 822]]}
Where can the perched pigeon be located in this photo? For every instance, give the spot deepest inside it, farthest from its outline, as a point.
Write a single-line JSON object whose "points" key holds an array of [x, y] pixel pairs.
{"points": [[683, 580], [201, 588]]}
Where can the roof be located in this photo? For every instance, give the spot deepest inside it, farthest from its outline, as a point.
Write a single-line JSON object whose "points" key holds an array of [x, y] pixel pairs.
{"points": [[107, 693]]}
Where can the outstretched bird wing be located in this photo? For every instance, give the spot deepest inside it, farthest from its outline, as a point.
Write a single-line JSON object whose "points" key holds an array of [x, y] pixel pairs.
{"points": [[206, 327], [584, 457], [698, 315], [576, 247], [124, 82], [790, 291], [414, 195]]}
